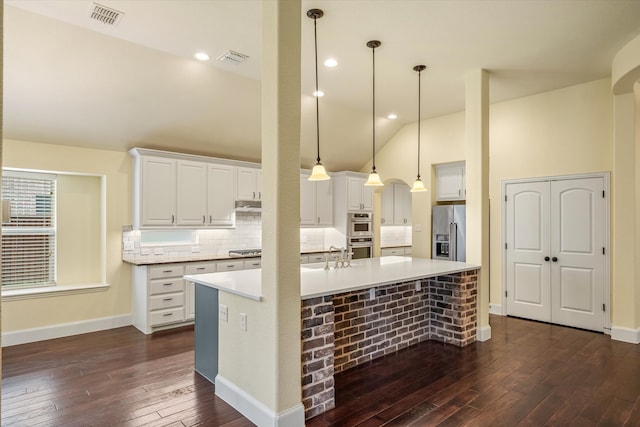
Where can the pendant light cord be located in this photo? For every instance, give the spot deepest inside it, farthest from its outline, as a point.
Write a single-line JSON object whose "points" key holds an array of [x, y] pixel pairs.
{"points": [[419, 92], [315, 38], [373, 56]]}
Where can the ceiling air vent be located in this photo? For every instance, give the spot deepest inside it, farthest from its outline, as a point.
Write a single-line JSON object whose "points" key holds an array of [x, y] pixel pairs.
{"points": [[232, 57], [105, 14]]}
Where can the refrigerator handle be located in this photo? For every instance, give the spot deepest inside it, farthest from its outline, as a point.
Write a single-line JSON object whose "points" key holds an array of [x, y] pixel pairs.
{"points": [[453, 241]]}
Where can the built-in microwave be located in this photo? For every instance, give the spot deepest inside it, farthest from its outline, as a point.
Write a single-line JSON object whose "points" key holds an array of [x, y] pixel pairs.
{"points": [[360, 224]]}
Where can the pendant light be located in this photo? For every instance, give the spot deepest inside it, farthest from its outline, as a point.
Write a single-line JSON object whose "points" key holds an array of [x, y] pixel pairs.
{"points": [[374, 178], [418, 186], [318, 173]]}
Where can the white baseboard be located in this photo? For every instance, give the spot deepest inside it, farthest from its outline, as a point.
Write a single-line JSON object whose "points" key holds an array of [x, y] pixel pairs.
{"points": [[496, 309], [255, 410], [483, 333], [64, 330], [625, 334]]}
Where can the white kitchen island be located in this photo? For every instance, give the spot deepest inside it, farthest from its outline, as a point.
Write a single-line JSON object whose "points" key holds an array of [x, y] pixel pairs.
{"points": [[352, 315]]}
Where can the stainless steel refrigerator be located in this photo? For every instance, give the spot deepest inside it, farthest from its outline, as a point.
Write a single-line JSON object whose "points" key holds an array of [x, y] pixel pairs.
{"points": [[448, 227]]}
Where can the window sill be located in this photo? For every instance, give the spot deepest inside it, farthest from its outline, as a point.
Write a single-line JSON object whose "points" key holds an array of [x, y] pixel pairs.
{"points": [[50, 291]]}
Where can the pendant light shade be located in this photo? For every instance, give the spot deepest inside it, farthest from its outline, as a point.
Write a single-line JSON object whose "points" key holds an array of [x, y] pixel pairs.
{"points": [[318, 173], [374, 178], [418, 185]]}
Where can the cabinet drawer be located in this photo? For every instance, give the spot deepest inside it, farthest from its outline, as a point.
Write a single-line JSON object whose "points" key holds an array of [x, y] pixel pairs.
{"points": [[316, 258], [163, 317], [166, 286], [392, 251], [200, 268], [304, 259], [231, 265], [407, 251], [167, 301], [169, 270], [251, 264]]}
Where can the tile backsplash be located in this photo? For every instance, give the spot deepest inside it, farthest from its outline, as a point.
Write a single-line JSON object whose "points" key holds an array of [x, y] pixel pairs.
{"points": [[395, 235], [217, 242]]}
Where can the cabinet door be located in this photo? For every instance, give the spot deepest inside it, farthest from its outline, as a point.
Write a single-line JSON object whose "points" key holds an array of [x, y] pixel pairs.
{"points": [[354, 193], [386, 217], [450, 182], [324, 202], [367, 197], [402, 204], [221, 182], [158, 192], [191, 193], [190, 301], [249, 183], [307, 201]]}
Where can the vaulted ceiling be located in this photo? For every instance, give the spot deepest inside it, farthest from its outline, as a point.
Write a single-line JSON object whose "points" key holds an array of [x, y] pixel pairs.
{"points": [[71, 80]]}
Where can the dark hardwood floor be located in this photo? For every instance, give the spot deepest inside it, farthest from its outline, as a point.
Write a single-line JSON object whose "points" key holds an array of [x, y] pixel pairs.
{"points": [[528, 374]]}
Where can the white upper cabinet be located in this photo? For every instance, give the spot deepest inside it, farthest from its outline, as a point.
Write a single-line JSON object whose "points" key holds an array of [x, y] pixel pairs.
{"points": [[316, 202], [450, 181], [181, 190], [249, 184], [221, 195], [191, 193], [157, 191], [359, 197], [401, 204], [396, 204], [386, 214]]}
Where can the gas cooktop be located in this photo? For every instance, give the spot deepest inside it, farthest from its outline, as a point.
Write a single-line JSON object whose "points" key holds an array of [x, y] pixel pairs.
{"points": [[245, 252]]}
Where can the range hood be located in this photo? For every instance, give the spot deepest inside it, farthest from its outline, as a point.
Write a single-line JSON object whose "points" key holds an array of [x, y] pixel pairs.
{"points": [[248, 205]]}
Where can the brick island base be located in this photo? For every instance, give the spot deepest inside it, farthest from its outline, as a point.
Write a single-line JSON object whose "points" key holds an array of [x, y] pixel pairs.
{"points": [[344, 330]]}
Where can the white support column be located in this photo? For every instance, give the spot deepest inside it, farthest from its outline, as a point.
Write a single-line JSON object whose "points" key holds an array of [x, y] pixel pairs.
{"points": [[260, 364], [625, 219], [280, 222], [477, 176]]}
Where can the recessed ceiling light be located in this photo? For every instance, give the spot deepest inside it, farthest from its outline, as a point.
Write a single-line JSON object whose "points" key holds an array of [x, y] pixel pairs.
{"points": [[330, 63], [201, 56], [319, 93], [392, 116]]}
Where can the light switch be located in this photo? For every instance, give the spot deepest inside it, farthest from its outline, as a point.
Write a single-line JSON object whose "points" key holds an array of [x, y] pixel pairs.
{"points": [[223, 313]]}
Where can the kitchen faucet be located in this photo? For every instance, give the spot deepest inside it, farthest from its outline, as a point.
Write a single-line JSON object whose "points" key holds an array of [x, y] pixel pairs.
{"points": [[338, 259]]}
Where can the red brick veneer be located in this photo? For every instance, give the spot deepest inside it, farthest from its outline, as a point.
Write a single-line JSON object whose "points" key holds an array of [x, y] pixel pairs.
{"points": [[345, 330]]}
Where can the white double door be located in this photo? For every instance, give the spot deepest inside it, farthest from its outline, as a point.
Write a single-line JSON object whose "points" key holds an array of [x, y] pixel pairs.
{"points": [[556, 251]]}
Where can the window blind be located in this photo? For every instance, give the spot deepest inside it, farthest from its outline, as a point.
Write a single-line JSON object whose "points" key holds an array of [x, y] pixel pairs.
{"points": [[28, 229]]}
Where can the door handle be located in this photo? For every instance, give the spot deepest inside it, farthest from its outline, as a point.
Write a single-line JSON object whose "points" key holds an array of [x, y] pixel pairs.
{"points": [[547, 258], [554, 259]]}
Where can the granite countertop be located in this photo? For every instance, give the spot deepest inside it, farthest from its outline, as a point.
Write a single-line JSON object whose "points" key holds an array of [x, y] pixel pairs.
{"points": [[150, 260], [315, 281]]}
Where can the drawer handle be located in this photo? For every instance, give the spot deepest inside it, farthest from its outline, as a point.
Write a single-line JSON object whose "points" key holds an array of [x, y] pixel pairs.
{"points": [[230, 266], [167, 271], [167, 284], [167, 314], [167, 299], [200, 268]]}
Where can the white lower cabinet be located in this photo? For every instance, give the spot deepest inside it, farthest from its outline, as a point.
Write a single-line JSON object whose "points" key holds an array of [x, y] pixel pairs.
{"points": [[190, 287], [158, 296], [397, 251]]}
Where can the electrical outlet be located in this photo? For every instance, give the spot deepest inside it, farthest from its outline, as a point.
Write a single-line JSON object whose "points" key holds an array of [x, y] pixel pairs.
{"points": [[417, 228], [128, 245], [145, 251], [418, 285], [223, 313], [243, 322], [158, 251], [372, 294], [195, 249]]}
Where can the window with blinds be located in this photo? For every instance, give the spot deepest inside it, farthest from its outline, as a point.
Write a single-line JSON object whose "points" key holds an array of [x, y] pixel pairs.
{"points": [[28, 229]]}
